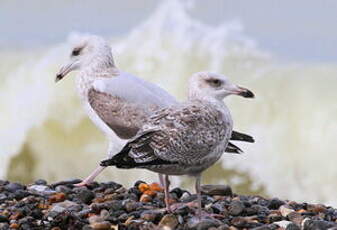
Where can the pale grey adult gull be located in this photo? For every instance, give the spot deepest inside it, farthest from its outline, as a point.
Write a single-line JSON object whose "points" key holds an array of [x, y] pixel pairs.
{"points": [[116, 101], [186, 138]]}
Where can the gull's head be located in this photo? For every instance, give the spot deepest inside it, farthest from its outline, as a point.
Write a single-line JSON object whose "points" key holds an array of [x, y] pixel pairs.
{"points": [[207, 84], [87, 52]]}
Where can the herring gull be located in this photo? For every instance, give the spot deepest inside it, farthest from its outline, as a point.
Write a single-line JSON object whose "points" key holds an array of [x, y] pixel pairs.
{"points": [[116, 101], [186, 138]]}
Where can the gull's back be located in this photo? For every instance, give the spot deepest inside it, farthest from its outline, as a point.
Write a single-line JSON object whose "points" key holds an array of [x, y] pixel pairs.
{"points": [[123, 102]]}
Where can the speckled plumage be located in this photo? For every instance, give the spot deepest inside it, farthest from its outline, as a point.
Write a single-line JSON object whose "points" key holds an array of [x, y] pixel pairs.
{"points": [[192, 136], [186, 138], [117, 102]]}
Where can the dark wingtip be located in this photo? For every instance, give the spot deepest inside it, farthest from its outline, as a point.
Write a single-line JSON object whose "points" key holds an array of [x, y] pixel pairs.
{"points": [[106, 163]]}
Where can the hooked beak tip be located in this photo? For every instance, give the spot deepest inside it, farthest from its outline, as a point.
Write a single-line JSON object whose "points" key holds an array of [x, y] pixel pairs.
{"points": [[58, 77], [247, 94]]}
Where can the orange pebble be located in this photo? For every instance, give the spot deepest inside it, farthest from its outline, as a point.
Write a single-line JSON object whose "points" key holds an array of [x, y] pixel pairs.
{"points": [[156, 187], [15, 216], [58, 197], [143, 187], [43, 206], [56, 228], [14, 225], [150, 193], [91, 214], [145, 198]]}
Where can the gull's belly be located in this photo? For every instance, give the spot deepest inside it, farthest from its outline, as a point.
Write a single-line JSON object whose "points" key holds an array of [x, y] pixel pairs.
{"points": [[190, 169]]}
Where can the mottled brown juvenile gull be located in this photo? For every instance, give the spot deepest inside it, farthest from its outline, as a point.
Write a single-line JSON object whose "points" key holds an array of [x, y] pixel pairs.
{"points": [[116, 101], [187, 138]]}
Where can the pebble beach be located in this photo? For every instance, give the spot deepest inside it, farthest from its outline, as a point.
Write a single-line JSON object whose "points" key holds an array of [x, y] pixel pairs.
{"points": [[109, 205]]}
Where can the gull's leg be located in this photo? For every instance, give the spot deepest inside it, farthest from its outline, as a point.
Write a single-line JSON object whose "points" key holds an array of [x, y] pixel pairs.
{"points": [[167, 194], [91, 177], [161, 179], [198, 191]]}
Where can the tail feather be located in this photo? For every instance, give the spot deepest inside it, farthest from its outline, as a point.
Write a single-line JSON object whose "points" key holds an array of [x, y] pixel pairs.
{"points": [[237, 136], [231, 148], [124, 160]]}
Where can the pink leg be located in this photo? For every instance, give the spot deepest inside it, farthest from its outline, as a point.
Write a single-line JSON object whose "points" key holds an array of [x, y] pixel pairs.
{"points": [[167, 194], [161, 180], [91, 177], [198, 190]]}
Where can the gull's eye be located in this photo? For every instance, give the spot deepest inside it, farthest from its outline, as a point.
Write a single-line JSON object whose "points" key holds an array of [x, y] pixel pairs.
{"points": [[76, 52], [214, 82]]}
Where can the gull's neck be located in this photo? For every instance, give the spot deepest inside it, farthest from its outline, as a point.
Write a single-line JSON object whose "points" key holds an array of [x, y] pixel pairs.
{"points": [[89, 74], [217, 103]]}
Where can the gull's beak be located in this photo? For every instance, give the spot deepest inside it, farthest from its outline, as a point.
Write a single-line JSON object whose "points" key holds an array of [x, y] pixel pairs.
{"points": [[65, 70], [242, 92]]}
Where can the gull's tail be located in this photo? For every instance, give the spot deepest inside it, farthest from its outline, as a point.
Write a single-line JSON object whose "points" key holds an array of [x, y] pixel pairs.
{"points": [[237, 136]]}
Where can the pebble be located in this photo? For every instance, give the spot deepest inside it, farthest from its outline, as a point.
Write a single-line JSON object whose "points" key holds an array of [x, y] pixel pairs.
{"points": [[206, 223], [275, 203], [41, 189], [62, 206], [85, 195], [3, 219], [13, 187], [168, 222], [66, 182], [220, 190], [105, 225], [150, 215], [292, 226], [110, 206], [283, 223], [318, 225], [40, 182], [236, 208], [295, 217], [285, 210]]}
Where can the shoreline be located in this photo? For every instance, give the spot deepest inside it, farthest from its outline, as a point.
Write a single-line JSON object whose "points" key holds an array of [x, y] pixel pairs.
{"points": [[109, 205]]}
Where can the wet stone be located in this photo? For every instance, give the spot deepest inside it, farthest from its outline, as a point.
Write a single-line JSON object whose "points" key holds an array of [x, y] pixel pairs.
{"points": [[3, 219], [178, 192], [195, 223], [220, 190], [62, 189], [41, 189], [40, 182], [62, 206], [168, 222], [235, 208], [67, 182], [274, 217], [275, 203], [285, 210], [108, 205], [13, 187], [267, 227], [295, 217], [150, 215], [101, 225], [2, 197], [292, 226], [283, 223], [318, 225], [85, 196]]}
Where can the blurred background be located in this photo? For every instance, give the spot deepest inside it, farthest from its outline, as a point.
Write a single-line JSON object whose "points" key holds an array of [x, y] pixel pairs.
{"points": [[284, 51]]}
